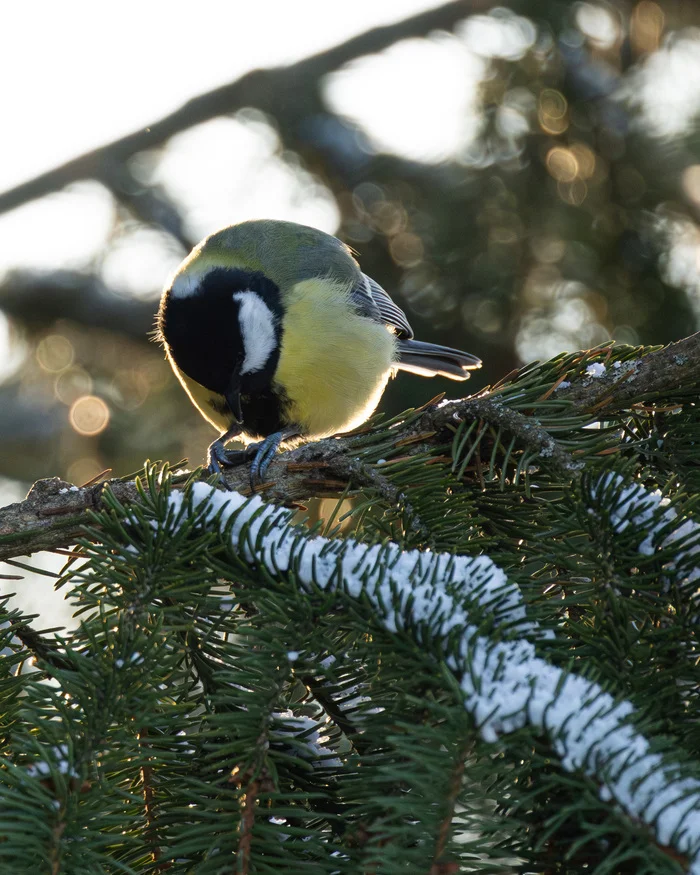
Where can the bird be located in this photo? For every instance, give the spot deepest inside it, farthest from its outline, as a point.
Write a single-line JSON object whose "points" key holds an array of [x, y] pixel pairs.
{"points": [[278, 337]]}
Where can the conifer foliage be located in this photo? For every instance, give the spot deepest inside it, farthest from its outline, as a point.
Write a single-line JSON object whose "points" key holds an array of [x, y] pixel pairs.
{"points": [[489, 666]]}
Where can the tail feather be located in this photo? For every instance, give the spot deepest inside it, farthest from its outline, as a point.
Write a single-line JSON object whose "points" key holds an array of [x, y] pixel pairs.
{"points": [[431, 360]]}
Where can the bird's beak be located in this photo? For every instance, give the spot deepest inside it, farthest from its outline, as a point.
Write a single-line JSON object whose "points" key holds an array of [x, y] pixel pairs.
{"points": [[233, 397]]}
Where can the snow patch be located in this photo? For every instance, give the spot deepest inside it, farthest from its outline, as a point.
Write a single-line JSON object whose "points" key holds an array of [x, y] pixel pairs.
{"points": [[597, 369]]}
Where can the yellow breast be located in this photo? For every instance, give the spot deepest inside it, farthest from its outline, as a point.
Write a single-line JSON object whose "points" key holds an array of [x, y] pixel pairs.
{"points": [[334, 365]]}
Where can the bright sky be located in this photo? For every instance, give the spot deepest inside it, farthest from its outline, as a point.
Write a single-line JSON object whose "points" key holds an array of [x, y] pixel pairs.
{"points": [[79, 73], [89, 74]]}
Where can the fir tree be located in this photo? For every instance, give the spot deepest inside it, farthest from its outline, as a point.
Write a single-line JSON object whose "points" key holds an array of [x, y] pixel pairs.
{"points": [[489, 665]]}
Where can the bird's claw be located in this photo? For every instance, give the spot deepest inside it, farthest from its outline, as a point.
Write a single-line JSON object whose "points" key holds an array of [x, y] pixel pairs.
{"points": [[218, 456], [261, 454], [264, 454]]}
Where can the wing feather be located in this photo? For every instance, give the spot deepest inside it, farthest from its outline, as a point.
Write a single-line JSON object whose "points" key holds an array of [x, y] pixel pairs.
{"points": [[389, 313], [426, 359]]}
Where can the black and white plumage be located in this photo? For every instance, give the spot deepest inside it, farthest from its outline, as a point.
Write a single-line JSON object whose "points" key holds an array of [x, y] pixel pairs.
{"points": [[275, 333]]}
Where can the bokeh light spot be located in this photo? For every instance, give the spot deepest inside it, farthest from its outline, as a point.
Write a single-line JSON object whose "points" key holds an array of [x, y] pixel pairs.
{"points": [[585, 159], [691, 182], [547, 250], [389, 217], [665, 86], [488, 317], [13, 348], [406, 249], [384, 94], [138, 259], [573, 192], [73, 226], [598, 24], [71, 384], [131, 387], [55, 353], [500, 34], [89, 415], [552, 111], [213, 190], [562, 164], [646, 27]]}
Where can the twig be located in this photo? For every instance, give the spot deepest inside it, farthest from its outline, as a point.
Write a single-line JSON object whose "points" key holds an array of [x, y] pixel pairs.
{"points": [[517, 424], [151, 204], [43, 649], [56, 834], [149, 810], [256, 779], [361, 474], [441, 867], [250, 800], [673, 366]]}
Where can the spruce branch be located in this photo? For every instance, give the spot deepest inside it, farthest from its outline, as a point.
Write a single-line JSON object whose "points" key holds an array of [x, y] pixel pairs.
{"points": [[317, 687], [148, 800], [503, 684], [55, 512], [662, 371]]}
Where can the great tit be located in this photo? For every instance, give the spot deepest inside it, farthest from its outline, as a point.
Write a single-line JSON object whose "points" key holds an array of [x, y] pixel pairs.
{"points": [[277, 335]]}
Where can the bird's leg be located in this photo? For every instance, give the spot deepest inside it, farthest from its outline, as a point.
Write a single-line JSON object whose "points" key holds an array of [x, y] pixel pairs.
{"points": [[265, 451], [218, 455]]}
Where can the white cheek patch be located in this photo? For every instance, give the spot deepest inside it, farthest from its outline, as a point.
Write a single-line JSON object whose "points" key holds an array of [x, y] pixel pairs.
{"points": [[257, 323]]}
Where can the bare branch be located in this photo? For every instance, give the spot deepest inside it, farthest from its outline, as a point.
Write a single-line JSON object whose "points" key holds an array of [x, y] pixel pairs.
{"points": [[38, 300], [149, 203], [45, 650], [266, 89]]}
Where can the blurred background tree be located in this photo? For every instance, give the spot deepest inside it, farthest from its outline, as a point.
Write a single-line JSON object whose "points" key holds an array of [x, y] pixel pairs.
{"points": [[524, 179]]}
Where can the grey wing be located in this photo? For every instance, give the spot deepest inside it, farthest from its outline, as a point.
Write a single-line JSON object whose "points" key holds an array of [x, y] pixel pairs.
{"points": [[372, 301]]}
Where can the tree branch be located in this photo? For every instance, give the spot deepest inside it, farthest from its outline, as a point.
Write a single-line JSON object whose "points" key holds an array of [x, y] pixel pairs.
{"points": [[671, 367], [54, 512], [149, 203], [44, 649], [265, 89], [39, 299]]}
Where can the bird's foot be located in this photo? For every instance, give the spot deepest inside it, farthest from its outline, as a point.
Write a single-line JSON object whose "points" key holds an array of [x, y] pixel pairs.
{"points": [[218, 455], [264, 454]]}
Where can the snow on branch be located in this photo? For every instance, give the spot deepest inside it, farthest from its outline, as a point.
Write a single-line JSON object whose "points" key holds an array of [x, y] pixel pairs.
{"points": [[658, 526], [419, 587], [506, 685]]}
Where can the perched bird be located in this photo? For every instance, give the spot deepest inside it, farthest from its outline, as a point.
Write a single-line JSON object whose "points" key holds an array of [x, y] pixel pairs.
{"points": [[277, 335]]}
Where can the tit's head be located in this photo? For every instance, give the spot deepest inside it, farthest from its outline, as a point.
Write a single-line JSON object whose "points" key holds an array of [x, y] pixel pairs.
{"points": [[222, 327]]}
